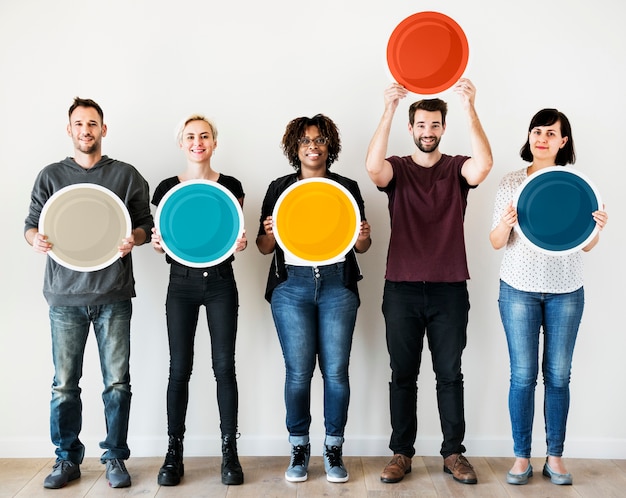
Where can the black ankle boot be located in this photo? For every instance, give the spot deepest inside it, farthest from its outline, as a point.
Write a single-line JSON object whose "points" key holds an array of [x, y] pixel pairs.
{"points": [[172, 469], [231, 469]]}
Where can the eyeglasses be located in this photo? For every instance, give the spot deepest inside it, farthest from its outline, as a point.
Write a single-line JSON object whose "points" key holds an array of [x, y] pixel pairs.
{"points": [[306, 141]]}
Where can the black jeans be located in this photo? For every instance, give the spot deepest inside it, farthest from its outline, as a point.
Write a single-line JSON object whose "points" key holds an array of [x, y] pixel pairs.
{"points": [[190, 288], [439, 311]]}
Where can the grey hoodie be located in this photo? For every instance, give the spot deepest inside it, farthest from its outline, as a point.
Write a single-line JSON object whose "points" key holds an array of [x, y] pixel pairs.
{"points": [[65, 287]]}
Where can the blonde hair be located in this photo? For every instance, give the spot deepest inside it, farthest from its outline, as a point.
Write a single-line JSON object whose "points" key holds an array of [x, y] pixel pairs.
{"points": [[194, 117]]}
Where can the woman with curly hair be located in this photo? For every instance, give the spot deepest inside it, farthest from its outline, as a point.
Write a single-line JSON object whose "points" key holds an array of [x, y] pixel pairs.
{"points": [[314, 307]]}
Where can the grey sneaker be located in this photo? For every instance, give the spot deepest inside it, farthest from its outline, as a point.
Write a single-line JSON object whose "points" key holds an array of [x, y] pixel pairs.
{"points": [[333, 464], [297, 470], [63, 472], [116, 473]]}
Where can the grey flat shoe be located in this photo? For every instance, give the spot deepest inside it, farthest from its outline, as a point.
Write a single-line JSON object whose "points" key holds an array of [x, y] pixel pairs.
{"points": [[555, 477], [520, 478]]}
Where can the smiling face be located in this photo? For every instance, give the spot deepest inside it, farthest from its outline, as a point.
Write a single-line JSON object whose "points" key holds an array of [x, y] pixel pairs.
{"points": [[86, 130], [313, 156], [546, 141], [427, 130], [197, 141]]}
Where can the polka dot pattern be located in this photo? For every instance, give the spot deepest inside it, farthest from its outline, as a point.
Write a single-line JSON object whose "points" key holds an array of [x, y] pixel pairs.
{"points": [[525, 268]]}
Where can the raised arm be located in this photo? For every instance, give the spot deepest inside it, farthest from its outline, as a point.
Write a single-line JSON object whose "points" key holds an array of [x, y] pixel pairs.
{"points": [[378, 168], [475, 169]]}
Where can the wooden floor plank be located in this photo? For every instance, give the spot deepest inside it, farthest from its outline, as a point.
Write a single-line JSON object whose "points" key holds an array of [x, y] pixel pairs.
{"points": [[593, 478], [16, 474], [264, 477]]}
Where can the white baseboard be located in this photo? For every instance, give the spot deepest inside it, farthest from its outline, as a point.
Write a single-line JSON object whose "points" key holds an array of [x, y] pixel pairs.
{"points": [[354, 446]]}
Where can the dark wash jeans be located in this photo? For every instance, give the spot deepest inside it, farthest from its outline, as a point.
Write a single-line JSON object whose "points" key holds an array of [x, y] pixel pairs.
{"points": [[188, 290], [439, 311]]}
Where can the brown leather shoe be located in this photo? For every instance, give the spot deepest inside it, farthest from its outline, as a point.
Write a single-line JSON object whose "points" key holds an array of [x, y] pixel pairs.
{"points": [[396, 469], [461, 470]]}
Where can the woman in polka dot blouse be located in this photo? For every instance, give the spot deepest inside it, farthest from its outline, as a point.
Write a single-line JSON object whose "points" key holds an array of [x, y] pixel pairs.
{"points": [[539, 290]]}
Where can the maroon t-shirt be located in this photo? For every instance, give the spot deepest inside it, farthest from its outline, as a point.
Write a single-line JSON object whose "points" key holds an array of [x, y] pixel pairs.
{"points": [[427, 209]]}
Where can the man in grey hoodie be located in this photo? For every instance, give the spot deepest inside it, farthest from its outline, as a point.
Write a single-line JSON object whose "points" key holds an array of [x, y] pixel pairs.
{"points": [[78, 299]]}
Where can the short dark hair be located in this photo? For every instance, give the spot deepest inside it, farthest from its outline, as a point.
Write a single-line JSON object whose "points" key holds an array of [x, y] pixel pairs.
{"points": [[430, 105], [78, 102], [547, 117], [295, 131]]}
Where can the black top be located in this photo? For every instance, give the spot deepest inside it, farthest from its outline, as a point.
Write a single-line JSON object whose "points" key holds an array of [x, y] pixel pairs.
{"points": [[278, 271], [230, 182]]}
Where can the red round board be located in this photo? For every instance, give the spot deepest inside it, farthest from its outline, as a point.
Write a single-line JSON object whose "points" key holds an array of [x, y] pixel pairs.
{"points": [[427, 52]]}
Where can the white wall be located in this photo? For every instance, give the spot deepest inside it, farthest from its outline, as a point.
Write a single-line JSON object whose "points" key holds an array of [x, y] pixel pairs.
{"points": [[253, 66]]}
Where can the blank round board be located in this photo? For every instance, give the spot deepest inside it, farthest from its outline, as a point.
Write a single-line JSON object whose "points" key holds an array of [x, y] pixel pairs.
{"points": [[316, 221], [85, 223], [554, 210], [199, 222], [427, 52]]}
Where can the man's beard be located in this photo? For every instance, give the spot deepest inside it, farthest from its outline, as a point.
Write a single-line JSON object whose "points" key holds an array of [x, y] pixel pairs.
{"points": [[88, 149], [430, 148]]}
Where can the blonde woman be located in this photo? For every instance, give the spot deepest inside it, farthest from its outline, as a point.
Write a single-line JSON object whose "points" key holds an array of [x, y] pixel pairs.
{"points": [[189, 288]]}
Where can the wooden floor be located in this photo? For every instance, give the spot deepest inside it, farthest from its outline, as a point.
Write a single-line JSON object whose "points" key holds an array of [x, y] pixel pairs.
{"points": [[264, 477]]}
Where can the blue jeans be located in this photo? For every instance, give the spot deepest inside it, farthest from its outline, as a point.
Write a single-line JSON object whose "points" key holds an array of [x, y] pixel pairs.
{"points": [[523, 315], [439, 311], [315, 314], [189, 289], [70, 329]]}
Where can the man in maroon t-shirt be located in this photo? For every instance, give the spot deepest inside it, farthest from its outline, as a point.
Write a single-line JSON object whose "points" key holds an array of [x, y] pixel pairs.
{"points": [[425, 282]]}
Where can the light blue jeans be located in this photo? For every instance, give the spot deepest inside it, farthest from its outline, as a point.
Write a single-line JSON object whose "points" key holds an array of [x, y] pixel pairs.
{"points": [[523, 315], [70, 328], [315, 314]]}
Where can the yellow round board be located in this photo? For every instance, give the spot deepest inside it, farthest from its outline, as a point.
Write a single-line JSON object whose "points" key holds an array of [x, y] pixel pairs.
{"points": [[316, 221]]}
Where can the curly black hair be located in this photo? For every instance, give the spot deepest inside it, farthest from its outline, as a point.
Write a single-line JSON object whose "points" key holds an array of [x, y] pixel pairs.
{"points": [[295, 131]]}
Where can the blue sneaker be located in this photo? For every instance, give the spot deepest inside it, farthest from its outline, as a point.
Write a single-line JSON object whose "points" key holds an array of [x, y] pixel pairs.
{"points": [[63, 472], [333, 464], [299, 464], [116, 473]]}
